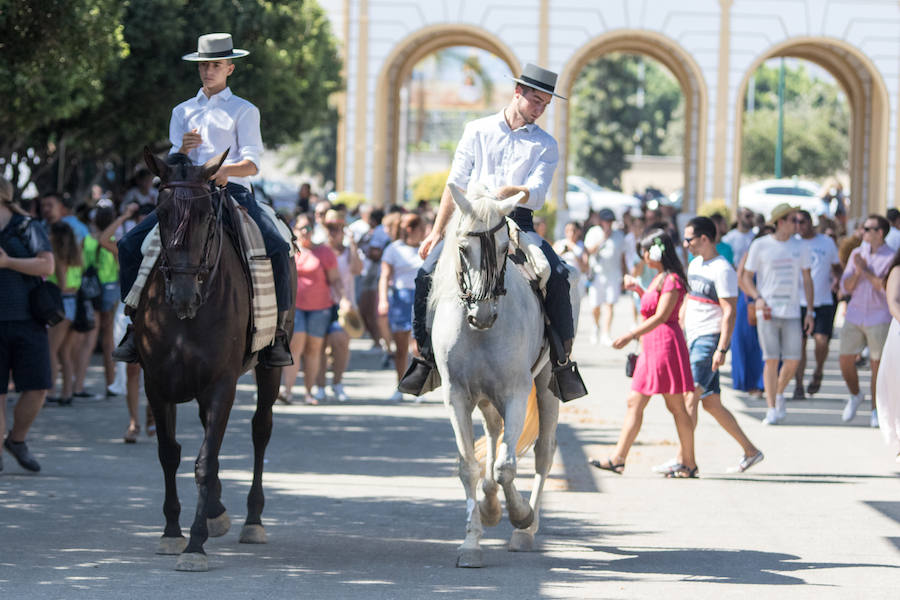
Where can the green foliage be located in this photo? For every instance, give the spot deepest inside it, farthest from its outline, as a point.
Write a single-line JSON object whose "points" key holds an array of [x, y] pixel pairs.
{"points": [[292, 69], [350, 199], [717, 205], [316, 152], [430, 186], [606, 120], [816, 138], [548, 213]]}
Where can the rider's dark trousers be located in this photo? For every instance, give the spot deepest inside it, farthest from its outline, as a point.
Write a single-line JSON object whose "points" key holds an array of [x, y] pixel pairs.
{"points": [[276, 248], [557, 302]]}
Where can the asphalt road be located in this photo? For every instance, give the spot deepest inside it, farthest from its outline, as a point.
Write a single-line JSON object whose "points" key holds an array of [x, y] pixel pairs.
{"points": [[362, 501]]}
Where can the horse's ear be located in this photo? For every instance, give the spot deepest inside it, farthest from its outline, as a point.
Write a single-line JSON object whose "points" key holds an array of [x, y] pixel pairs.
{"points": [[157, 167], [507, 205], [211, 166], [459, 198]]}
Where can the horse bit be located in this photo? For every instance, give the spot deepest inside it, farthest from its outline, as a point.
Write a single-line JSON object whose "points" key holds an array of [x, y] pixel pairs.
{"points": [[493, 284]]}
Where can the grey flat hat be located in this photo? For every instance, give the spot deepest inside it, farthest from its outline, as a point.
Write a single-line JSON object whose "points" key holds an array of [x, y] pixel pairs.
{"points": [[540, 79], [215, 46]]}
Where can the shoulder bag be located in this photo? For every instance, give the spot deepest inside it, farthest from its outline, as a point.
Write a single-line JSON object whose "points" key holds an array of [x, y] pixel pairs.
{"points": [[45, 297]]}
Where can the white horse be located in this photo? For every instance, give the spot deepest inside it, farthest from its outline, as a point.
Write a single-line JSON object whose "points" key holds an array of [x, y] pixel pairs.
{"points": [[487, 335]]}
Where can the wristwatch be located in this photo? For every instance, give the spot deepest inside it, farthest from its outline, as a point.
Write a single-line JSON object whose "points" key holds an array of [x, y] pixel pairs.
{"points": [[722, 350]]}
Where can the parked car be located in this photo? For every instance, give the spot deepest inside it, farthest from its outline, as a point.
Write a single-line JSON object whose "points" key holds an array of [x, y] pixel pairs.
{"points": [[583, 195], [763, 196]]}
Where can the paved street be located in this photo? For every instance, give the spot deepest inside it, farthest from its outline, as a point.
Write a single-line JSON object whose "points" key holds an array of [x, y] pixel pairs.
{"points": [[362, 501]]}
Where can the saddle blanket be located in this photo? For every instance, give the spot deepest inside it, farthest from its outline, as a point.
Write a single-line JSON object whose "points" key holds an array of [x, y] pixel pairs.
{"points": [[535, 267], [264, 313]]}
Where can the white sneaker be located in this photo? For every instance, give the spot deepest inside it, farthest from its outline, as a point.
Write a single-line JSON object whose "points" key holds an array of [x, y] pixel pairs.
{"points": [[666, 467], [421, 399], [606, 340], [337, 390], [780, 407], [771, 417], [594, 337], [397, 397], [851, 407], [318, 393], [873, 419], [746, 463]]}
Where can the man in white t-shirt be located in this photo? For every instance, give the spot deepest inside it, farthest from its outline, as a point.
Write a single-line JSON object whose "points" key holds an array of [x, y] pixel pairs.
{"points": [[708, 314], [605, 248], [892, 239], [826, 268], [781, 265]]}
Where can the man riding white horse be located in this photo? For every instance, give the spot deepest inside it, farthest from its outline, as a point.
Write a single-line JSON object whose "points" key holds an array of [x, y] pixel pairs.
{"points": [[511, 154], [202, 127]]}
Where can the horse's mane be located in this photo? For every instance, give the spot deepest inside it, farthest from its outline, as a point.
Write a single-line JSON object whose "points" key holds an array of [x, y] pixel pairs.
{"points": [[485, 213]]}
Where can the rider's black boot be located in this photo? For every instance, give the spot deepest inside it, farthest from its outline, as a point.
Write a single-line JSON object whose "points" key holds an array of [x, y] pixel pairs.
{"points": [[422, 375], [279, 353], [127, 349]]}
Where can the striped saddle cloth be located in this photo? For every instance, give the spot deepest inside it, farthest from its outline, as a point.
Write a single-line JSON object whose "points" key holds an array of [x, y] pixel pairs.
{"points": [[264, 313]]}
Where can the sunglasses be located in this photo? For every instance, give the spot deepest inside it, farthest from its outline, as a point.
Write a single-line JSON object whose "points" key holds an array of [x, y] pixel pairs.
{"points": [[688, 240], [305, 228], [871, 228]]}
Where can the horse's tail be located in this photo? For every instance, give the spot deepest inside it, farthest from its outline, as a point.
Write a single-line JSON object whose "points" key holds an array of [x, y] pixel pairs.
{"points": [[529, 431]]}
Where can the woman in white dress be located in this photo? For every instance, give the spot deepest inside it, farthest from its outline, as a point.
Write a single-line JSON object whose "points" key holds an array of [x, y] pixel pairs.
{"points": [[888, 385]]}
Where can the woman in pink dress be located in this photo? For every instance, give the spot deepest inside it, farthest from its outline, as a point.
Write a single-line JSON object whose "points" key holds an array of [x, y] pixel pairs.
{"points": [[664, 364]]}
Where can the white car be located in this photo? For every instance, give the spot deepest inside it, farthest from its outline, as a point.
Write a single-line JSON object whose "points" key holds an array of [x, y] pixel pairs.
{"points": [[583, 195], [762, 196]]}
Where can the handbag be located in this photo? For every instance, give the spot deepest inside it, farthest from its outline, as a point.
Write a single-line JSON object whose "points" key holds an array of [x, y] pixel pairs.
{"points": [[85, 319], [45, 302], [751, 314], [630, 362]]}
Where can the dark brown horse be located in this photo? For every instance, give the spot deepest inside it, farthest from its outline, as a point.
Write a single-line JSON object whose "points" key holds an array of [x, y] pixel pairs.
{"points": [[192, 333]]}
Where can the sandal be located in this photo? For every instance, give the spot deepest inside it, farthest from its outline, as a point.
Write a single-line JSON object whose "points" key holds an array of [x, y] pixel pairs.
{"points": [[608, 465], [131, 435], [815, 383], [682, 472]]}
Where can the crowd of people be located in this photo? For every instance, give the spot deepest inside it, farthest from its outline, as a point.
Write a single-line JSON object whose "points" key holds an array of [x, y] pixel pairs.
{"points": [[701, 291]]}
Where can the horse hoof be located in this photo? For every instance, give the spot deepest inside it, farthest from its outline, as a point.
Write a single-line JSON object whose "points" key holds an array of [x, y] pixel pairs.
{"points": [[253, 534], [470, 559], [491, 512], [192, 561], [219, 526], [521, 541], [171, 545], [523, 523]]}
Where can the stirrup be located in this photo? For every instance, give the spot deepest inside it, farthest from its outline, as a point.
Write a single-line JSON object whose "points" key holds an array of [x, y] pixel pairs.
{"points": [[126, 351], [420, 378]]}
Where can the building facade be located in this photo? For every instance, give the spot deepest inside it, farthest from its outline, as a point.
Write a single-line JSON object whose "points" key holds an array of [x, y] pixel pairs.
{"points": [[711, 46]]}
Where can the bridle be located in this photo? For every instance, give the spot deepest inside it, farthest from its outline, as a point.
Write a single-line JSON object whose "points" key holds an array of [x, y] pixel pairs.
{"points": [[494, 275], [209, 263]]}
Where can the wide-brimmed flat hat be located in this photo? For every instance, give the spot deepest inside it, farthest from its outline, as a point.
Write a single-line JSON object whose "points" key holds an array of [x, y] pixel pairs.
{"points": [[540, 79], [781, 211], [215, 46], [351, 322]]}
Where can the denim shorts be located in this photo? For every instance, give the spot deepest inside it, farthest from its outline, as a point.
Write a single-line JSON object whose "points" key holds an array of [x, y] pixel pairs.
{"points": [[702, 350], [109, 297], [400, 309], [70, 303], [312, 322]]}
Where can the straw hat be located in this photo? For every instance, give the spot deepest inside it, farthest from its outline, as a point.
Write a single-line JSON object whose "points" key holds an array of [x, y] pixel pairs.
{"points": [[215, 46], [351, 322], [782, 210]]}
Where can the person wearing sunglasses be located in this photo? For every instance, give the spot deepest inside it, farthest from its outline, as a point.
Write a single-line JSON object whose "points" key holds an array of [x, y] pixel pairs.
{"points": [[781, 264], [826, 268], [868, 319]]}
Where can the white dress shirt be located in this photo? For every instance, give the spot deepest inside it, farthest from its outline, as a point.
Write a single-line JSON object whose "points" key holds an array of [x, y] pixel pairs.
{"points": [[495, 155], [223, 121]]}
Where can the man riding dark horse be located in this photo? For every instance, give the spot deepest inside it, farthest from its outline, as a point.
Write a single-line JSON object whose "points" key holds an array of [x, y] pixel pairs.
{"points": [[202, 127]]}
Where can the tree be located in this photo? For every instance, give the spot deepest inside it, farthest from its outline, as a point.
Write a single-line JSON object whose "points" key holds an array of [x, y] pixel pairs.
{"points": [[292, 70], [620, 101], [816, 125], [53, 57], [316, 152]]}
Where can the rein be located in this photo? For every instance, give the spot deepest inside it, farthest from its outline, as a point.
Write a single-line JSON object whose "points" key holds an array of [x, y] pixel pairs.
{"points": [[207, 268], [493, 275]]}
